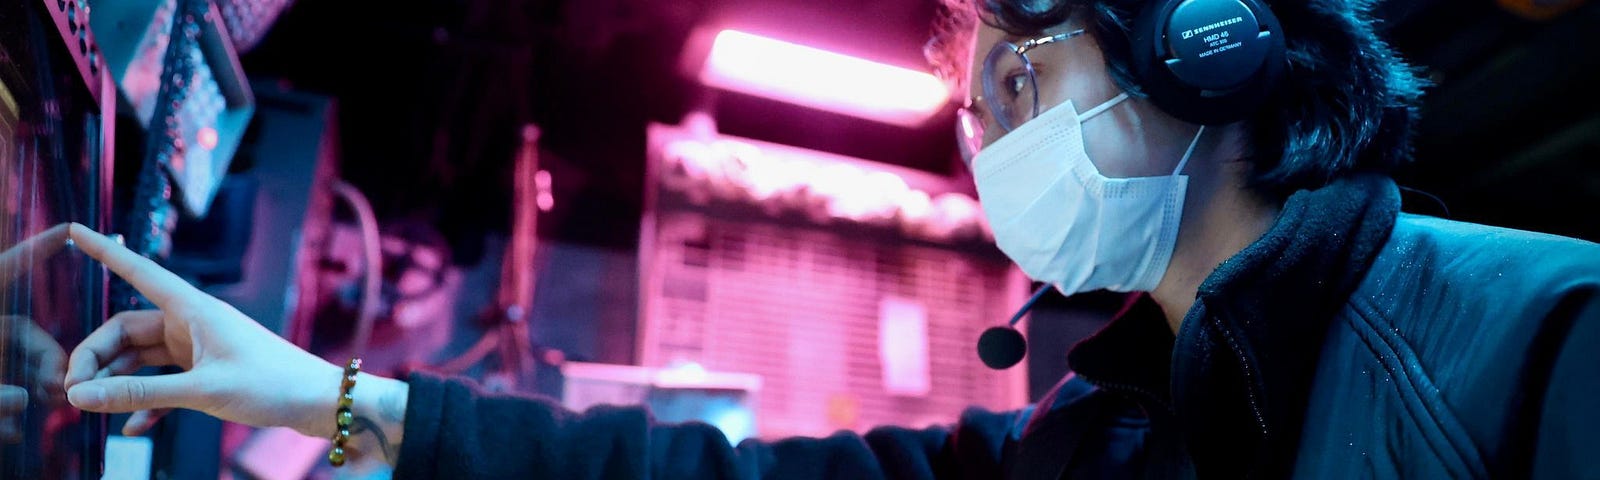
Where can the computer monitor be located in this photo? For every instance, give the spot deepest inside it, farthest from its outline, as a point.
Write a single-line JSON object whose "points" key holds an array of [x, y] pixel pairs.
{"points": [[55, 128]]}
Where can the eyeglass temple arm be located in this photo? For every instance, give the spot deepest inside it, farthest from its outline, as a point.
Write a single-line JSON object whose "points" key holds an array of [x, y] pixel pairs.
{"points": [[1031, 44]]}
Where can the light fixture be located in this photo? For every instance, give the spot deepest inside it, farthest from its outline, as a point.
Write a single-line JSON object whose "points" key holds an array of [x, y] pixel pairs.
{"points": [[803, 75]]}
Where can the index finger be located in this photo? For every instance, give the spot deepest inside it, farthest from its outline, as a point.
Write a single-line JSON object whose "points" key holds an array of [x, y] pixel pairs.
{"points": [[20, 257], [157, 284]]}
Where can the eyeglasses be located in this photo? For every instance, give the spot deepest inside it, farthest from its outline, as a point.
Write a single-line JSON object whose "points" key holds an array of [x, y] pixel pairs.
{"points": [[1010, 93]]}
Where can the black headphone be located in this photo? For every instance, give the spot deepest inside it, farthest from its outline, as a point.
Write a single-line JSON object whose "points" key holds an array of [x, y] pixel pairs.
{"points": [[1209, 62]]}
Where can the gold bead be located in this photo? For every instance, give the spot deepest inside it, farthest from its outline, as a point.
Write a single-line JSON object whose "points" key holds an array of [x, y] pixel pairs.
{"points": [[346, 418], [346, 400], [336, 457]]}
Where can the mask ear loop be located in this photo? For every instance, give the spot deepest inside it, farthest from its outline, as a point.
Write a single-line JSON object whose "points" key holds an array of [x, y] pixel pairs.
{"points": [[1085, 116], [1186, 153]]}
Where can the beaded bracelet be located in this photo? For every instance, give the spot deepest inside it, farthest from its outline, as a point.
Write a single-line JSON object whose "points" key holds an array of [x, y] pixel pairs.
{"points": [[344, 417]]}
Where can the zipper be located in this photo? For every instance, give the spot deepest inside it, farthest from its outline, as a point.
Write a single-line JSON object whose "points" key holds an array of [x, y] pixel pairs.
{"points": [[1249, 375], [1130, 389]]}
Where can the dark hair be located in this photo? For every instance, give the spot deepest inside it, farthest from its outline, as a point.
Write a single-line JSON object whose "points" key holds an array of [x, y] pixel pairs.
{"points": [[1347, 103]]}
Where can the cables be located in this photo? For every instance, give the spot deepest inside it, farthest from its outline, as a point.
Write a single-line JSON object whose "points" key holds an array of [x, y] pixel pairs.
{"points": [[372, 284]]}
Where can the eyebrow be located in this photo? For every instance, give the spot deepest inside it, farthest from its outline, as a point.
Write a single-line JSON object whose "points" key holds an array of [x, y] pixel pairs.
{"points": [[1015, 38]]}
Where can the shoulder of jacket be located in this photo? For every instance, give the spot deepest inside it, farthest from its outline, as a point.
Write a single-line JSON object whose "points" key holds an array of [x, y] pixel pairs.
{"points": [[1436, 277], [1456, 250]]}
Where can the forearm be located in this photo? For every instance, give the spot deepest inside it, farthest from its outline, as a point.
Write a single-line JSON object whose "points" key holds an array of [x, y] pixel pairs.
{"points": [[380, 419], [458, 431]]}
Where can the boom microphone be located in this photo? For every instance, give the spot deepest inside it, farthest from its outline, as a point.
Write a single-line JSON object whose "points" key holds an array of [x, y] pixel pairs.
{"points": [[1001, 347]]}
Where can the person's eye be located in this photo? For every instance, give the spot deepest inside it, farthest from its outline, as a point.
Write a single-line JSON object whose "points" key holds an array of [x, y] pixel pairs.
{"points": [[1015, 83]]}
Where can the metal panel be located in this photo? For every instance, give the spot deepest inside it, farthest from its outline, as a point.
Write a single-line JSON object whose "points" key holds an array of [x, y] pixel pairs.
{"points": [[249, 20]]}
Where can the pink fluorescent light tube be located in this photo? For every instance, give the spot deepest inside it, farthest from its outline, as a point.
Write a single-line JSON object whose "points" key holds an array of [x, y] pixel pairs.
{"points": [[798, 74]]}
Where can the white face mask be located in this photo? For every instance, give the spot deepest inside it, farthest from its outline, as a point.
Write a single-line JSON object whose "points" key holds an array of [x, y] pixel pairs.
{"points": [[1066, 224]]}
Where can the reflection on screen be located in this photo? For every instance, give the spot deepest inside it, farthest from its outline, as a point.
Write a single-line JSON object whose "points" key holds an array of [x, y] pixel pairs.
{"points": [[50, 294]]}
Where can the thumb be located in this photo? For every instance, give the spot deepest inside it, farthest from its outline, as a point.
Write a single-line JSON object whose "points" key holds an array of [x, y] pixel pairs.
{"points": [[12, 400], [124, 394]]}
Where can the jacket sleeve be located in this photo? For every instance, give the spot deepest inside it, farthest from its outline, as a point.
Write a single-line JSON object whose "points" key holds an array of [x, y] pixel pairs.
{"points": [[453, 430], [1569, 422]]}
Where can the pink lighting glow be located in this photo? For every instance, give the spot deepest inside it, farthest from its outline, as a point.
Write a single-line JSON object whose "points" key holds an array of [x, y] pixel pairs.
{"points": [[803, 75], [546, 199], [207, 138], [820, 186]]}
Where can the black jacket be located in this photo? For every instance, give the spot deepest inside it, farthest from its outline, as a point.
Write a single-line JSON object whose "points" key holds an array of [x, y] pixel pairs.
{"points": [[1350, 341]]}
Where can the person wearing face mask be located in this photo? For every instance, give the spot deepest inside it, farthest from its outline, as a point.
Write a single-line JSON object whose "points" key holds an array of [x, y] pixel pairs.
{"points": [[1222, 161]]}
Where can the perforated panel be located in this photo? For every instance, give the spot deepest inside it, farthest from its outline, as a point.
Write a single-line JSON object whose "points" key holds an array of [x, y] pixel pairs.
{"points": [[800, 307], [248, 20]]}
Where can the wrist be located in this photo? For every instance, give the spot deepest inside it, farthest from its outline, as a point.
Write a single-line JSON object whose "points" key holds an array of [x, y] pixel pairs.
{"points": [[379, 409], [378, 406], [317, 407]]}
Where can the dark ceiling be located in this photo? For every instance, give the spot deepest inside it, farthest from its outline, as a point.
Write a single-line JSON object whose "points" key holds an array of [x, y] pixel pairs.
{"points": [[431, 97]]}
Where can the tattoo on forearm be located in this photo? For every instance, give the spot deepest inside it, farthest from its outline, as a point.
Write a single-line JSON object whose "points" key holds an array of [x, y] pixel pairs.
{"points": [[389, 413], [366, 425]]}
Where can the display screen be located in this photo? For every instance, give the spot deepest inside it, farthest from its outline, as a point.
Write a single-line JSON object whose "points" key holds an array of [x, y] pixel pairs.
{"points": [[50, 294]]}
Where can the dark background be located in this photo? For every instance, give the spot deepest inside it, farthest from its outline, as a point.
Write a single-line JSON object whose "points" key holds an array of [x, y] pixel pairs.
{"points": [[431, 97]]}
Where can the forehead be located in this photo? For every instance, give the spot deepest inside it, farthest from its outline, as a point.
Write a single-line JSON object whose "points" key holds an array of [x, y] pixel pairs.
{"points": [[985, 39]]}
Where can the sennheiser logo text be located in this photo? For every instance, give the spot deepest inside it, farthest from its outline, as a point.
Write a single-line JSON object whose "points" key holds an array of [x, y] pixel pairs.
{"points": [[1196, 31]]}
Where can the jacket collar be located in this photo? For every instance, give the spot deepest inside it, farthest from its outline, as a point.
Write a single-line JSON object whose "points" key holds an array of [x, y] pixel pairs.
{"points": [[1239, 372]]}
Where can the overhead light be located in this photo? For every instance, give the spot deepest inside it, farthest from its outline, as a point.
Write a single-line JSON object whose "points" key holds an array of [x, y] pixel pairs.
{"points": [[765, 67]]}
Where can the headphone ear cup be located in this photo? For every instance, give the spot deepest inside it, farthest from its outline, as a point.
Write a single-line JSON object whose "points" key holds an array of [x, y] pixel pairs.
{"points": [[1209, 62]]}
